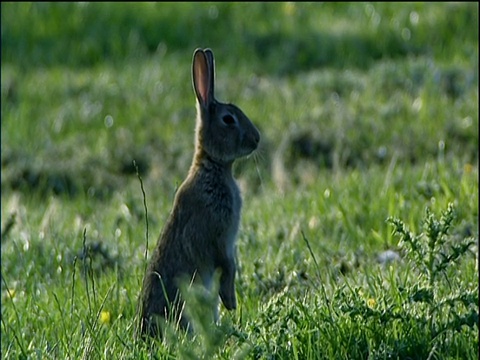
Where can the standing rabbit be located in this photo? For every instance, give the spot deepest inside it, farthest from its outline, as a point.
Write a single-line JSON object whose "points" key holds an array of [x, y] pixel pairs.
{"points": [[199, 235]]}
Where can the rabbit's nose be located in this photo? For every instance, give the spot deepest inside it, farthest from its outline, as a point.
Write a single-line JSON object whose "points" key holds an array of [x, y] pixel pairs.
{"points": [[252, 139], [256, 136]]}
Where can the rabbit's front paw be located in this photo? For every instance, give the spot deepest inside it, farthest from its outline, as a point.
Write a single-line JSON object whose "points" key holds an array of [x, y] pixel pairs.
{"points": [[229, 300]]}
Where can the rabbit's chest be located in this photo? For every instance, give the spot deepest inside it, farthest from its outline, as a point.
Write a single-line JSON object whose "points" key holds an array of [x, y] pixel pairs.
{"points": [[224, 205], [224, 201]]}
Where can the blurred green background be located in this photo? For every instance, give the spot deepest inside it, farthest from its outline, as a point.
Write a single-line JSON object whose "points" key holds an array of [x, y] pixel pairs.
{"points": [[366, 110], [94, 85], [283, 37]]}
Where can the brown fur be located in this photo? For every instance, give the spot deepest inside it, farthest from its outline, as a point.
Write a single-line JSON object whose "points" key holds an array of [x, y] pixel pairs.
{"points": [[199, 235]]}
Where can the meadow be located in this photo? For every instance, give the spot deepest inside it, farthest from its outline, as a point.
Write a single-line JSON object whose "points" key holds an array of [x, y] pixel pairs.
{"points": [[359, 232]]}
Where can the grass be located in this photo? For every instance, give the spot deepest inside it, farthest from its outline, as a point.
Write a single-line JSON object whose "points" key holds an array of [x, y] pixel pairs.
{"points": [[369, 122]]}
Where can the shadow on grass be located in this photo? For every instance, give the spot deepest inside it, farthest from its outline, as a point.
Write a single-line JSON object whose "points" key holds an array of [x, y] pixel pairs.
{"points": [[281, 40]]}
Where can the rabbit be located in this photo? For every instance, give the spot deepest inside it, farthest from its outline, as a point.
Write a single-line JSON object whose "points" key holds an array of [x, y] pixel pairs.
{"points": [[199, 235]]}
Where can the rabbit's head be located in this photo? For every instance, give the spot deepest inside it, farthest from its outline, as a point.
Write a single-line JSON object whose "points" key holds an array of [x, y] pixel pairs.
{"points": [[224, 132]]}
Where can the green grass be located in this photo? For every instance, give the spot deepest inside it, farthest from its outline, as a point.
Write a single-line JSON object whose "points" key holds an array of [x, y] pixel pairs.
{"points": [[369, 122]]}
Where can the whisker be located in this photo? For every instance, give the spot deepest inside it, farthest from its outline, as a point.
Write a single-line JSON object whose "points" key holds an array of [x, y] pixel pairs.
{"points": [[257, 155]]}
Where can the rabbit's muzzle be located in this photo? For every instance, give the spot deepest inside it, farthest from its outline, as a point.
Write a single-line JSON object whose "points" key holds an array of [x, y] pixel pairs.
{"points": [[251, 140]]}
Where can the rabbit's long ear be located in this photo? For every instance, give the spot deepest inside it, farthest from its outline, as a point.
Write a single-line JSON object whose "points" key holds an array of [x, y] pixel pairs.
{"points": [[211, 67], [202, 78]]}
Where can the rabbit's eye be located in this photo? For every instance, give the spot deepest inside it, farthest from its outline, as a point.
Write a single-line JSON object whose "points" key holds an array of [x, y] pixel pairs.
{"points": [[228, 119]]}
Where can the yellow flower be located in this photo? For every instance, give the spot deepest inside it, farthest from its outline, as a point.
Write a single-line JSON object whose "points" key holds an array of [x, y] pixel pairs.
{"points": [[11, 293], [468, 168], [105, 317], [371, 303]]}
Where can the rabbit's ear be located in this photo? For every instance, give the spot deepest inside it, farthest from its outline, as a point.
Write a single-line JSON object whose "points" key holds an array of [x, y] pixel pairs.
{"points": [[211, 67], [202, 78]]}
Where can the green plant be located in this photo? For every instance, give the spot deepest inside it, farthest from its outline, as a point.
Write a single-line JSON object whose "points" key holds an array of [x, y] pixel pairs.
{"points": [[365, 109], [432, 253], [415, 309]]}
